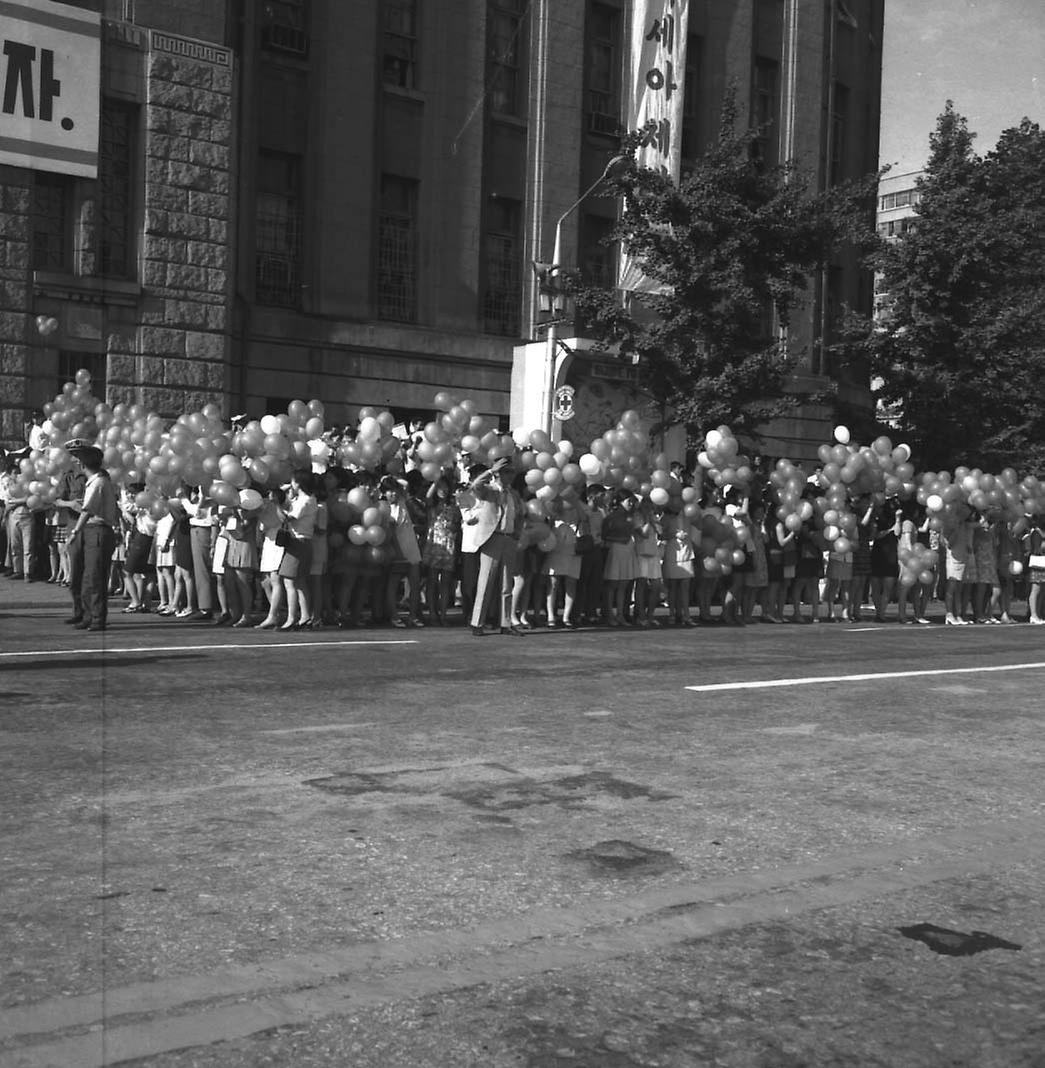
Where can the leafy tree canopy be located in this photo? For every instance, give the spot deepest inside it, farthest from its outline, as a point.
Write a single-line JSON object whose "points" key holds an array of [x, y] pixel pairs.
{"points": [[962, 349], [732, 242]]}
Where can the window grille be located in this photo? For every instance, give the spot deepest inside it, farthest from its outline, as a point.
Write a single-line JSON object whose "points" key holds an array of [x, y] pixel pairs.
{"points": [[502, 293], [115, 166], [603, 69], [51, 222], [397, 250], [94, 363]]}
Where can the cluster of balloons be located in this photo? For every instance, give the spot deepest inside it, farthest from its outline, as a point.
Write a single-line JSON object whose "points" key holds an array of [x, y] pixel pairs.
{"points": [[945, 495], [916, 564], [621, 457], [233, 465], [722, 460]]}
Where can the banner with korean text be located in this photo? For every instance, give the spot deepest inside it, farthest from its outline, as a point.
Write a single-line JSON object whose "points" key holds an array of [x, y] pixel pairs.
{"points": [[50, 78], [655, 74]]}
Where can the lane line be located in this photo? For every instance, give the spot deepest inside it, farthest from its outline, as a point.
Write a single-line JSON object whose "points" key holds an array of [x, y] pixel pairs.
{"points": [[261, 646], [869, 677], [300, 990]]}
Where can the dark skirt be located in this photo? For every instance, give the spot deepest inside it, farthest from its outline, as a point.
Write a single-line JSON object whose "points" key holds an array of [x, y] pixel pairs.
{"points": [[137, 561]]}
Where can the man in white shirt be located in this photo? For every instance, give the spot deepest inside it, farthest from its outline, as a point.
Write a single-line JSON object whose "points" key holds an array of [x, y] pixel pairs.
{"points": [[92, 541]]}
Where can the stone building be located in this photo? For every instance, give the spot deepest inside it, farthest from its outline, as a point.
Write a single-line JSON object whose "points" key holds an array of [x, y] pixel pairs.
{"points": [[342, 198], [126, 274]]}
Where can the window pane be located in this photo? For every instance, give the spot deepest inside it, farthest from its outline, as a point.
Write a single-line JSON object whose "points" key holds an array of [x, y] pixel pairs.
{"points": [[502, 294], [399, 46], [94, 363], [278, 230], [115, 162], [397, 250], [51, 221]]}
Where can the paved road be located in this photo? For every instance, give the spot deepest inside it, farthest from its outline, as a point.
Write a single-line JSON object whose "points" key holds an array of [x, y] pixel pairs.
{"points": [[587, 850]]}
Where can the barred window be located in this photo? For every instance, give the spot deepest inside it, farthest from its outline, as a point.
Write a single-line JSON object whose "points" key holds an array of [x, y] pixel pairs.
{"points": [[118, 257], [602, 98], [52, 222], [598, 255], [502, 294], [399, 44], [278, 230], [397, 250], [94, 363], [507, 56]]}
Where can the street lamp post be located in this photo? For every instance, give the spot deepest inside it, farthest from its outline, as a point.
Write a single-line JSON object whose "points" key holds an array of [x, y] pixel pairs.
{"points": [[617, 165]]}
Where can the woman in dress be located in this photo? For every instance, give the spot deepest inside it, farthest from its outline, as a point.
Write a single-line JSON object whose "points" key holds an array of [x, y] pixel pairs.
{"points": [[440, 552]]}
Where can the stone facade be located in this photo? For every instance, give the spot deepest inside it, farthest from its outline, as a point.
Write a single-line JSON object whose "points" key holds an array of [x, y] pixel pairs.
{"points": [[158, 327]]}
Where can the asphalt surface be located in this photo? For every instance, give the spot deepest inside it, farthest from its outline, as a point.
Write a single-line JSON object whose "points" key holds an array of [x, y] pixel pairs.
{"points": [[765, 846]]}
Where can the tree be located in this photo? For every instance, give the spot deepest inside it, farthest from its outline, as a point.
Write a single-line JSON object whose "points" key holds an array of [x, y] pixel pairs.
{"points": [[962, 350], [732, 242]]}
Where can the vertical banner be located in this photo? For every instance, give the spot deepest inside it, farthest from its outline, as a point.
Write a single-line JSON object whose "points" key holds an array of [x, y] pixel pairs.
{"points": [[655, 74], [50, 71]]}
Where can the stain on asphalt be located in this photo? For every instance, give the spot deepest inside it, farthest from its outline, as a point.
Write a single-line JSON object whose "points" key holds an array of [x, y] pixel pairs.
{"points": [[489, 787], [616, 856], [955, 943]]}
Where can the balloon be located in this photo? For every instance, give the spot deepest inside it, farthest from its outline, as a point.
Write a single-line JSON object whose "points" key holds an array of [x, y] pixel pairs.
{"points": [[842, 435], [659, 496], [934, 503], [376, 535], [224, 493], [249, 500]]}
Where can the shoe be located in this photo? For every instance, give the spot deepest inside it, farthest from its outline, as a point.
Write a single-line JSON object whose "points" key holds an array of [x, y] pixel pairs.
{"points": [[568, 624], [132, 608], [266, 625], [222, 621], [515, 632], [478, 632], [953, 621], [687, 623], [552, 625], [184, 613], [415, 623], [921, 619], [399, 624], [243, 621], [73, 620], [83, 625], [96, 626], [1006, 619]]}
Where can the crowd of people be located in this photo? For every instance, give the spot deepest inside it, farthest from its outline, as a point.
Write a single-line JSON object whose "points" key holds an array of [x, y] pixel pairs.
{"points": [[351, 547]]}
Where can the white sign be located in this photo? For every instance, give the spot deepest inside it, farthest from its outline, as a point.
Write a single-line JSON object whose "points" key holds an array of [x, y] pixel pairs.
{"points": [[50, 85], [656, 75]]}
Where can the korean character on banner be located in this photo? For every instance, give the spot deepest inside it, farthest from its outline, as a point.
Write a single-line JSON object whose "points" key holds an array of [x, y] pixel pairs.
{"points": [[656, 79], [657, 134], [663, 30]]}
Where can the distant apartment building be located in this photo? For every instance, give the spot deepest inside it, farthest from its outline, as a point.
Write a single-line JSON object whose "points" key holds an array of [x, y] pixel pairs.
{"points": [[342, 200], [897, 209]]}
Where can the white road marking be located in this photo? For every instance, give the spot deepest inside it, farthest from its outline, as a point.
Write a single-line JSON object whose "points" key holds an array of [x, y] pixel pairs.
{"points": [[105, 650], [869, 677]]}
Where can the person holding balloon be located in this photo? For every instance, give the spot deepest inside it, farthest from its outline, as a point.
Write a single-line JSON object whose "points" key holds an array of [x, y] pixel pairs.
{"points": [[238, 537], [681, 540], [620, 569], [562, 567], [139, 518], [440, 551], [407, 555], [299, 525]]}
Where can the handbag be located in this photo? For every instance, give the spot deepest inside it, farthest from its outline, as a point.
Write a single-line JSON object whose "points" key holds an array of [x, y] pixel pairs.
{"points": [[1036, 560], [284, 537]]}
